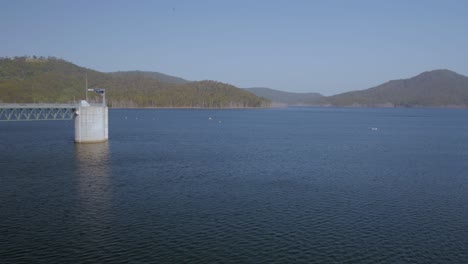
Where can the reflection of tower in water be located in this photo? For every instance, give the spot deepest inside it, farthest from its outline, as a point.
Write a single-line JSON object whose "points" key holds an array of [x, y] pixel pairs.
{"points": [[93, 159], [93, 179]]}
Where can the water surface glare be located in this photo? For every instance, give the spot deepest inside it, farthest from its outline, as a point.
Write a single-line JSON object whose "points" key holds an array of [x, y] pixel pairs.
{"points": [[297, 185]]}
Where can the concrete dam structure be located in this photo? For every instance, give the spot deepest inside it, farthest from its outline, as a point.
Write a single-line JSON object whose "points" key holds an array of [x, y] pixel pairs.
{"points": [[91, 120], [91, 123]]}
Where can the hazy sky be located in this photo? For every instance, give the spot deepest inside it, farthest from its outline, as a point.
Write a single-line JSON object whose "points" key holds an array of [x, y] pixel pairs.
{"points": [[302, 46]]}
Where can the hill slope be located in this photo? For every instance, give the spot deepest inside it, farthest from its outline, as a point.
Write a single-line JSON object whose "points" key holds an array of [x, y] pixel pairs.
{"points": [[26, 79], [153, 75], [286, 97], [437, 88]]}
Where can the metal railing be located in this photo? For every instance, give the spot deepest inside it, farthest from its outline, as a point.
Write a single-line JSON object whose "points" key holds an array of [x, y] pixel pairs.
{"points": [[36, 112]]}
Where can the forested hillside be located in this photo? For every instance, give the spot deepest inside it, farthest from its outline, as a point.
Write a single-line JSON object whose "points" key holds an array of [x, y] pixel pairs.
{"points": [[153, 75], [437, 88], [288, 98], [53, 80], [45, 80]]}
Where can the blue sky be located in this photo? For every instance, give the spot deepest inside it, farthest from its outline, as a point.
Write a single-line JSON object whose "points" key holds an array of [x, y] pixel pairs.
{"points": [[301, 46]]}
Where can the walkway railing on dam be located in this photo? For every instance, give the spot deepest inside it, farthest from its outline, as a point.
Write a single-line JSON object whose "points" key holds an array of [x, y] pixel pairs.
{"points": [[33, 112]]}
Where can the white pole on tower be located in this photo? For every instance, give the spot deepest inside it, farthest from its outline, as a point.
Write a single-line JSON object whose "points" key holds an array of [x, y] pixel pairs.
{"points": [[86, 87]]}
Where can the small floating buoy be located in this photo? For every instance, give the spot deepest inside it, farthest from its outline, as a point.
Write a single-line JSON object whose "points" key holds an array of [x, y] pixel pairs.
{"points": [[209, 118]]}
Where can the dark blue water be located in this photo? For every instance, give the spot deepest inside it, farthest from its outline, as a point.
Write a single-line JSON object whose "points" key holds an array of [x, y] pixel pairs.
{"points": [[301, 185]]}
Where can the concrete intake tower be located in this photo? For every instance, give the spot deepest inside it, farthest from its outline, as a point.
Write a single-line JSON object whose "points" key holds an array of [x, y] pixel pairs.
{"points": [[91, 123]]}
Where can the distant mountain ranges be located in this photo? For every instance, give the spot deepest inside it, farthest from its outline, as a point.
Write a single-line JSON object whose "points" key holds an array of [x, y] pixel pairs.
{"points": [[437, 88], [280, 98], [40, 79]]}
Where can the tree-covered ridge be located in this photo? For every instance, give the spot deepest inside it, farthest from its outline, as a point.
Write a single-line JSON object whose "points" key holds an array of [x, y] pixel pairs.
{"points": [[437, 88], [203, 94], [153, 75], [288, 98], [43, 80]]}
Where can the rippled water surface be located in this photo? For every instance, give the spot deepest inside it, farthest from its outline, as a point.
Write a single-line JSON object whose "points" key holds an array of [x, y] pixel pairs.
{"points": [[301, 185]]}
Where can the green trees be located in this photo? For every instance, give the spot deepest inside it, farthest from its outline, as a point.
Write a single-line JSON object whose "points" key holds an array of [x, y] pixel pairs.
{"points": [[41, 80]]}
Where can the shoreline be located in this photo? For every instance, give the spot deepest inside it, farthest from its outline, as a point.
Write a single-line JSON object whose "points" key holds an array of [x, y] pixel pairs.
{"points": [[297, 106], [188, 108], [283, 106]]}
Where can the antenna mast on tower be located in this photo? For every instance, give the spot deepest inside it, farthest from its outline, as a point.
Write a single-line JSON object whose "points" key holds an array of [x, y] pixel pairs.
{"points": [[86, 87]]}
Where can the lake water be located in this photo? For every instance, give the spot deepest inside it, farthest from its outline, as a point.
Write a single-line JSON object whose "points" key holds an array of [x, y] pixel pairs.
{"points": [[298, 185]]}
